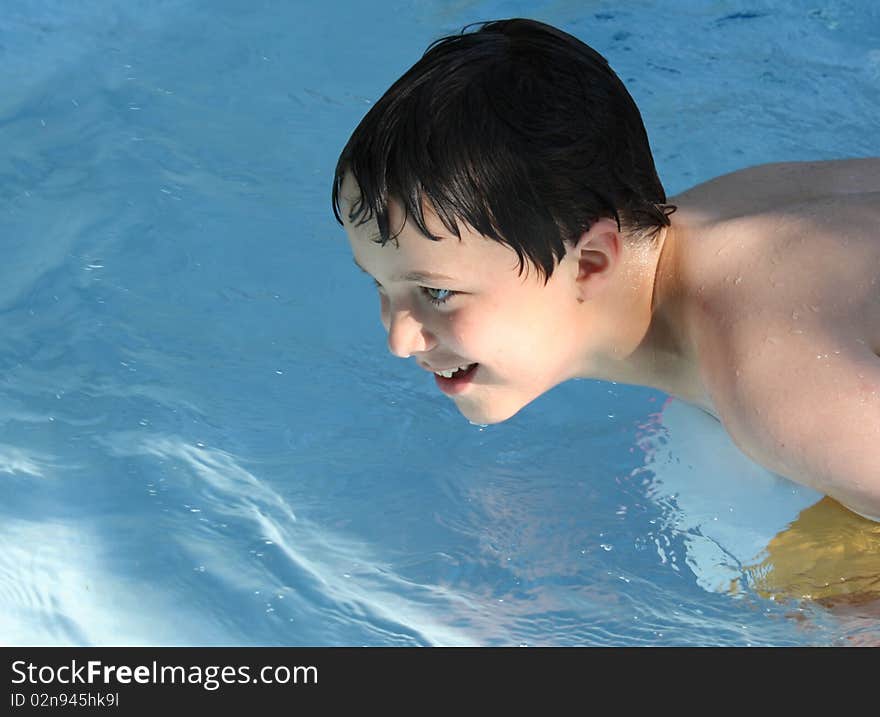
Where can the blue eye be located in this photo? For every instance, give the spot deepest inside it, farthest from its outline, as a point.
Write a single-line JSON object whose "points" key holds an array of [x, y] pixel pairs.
{"points": [[437, 301], [429, 292]]}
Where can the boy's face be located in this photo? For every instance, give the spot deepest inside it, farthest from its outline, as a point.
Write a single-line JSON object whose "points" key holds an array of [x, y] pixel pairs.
{"points": [[521, 334]]}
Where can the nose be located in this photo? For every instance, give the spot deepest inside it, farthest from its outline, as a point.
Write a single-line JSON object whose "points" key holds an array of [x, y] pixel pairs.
{"points": [[406, 334]]}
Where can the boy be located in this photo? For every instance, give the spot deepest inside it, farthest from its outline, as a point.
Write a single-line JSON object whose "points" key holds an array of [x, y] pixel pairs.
{"points": [[532, 242]]}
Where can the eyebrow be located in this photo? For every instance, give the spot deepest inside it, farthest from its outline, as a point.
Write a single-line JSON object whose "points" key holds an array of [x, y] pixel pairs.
{"points": [[420, 276]]}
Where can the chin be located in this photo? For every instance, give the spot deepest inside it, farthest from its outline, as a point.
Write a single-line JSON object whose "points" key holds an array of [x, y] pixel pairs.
{"points": [[487, 415]]}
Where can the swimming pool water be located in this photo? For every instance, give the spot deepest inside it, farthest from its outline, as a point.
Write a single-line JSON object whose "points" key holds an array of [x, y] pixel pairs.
{"points": [[204, 439]]}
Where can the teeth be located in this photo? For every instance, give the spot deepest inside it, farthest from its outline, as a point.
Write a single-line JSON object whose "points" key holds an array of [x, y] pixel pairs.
{"points": [[449, 374]]}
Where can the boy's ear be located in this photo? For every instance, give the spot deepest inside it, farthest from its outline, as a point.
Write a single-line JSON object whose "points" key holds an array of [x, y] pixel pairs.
{"points": [[597, 253]]}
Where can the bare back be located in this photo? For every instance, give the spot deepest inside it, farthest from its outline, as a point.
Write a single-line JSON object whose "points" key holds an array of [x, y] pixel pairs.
{"points": [[766, 187]]}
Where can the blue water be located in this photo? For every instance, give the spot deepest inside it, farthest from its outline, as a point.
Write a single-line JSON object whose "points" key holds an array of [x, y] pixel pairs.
{"points": [[203, 439]]}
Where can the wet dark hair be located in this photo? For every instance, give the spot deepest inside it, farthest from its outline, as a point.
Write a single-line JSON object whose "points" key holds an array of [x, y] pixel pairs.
{"points": [[518, 129]]}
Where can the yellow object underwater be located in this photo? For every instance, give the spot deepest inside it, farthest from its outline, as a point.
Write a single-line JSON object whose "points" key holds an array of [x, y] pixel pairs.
{"points": [[828, 554]]}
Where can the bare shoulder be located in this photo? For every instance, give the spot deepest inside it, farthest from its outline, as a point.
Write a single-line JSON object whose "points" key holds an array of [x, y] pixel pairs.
{"points": [[787, 323], [802, 267]]}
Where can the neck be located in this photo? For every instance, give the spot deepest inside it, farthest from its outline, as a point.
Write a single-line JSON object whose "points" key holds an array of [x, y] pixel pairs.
{"points": [[645, 338]]}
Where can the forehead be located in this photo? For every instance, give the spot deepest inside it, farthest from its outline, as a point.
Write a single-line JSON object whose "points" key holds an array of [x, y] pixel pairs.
{"points": [[469, 254], [349, 194]]}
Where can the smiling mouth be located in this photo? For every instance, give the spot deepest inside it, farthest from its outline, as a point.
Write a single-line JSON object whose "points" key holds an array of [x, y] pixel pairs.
{"points": [[458, 382], [451, 373]]}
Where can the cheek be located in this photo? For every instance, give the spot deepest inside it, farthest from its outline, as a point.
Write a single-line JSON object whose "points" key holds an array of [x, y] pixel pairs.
{"points": [[533, 335], [488, 337], [466, 333]]}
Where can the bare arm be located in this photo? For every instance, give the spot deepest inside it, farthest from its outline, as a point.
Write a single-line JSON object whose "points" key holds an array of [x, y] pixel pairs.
{"points": [[811, 414]]}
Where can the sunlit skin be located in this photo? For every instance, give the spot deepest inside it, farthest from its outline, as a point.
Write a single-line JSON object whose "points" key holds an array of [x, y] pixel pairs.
{"points": [[760, 304], [591, 319]]}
